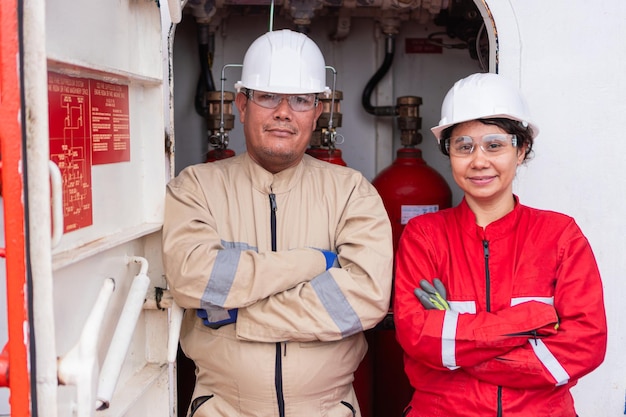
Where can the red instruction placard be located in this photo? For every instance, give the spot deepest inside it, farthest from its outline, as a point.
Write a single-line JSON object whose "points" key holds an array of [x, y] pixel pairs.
{"points": [[109, 123], [89, 125]]}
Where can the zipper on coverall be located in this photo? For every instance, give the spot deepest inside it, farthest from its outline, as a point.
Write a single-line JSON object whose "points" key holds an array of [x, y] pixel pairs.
{"points": [[278, 376], [488, 302]]}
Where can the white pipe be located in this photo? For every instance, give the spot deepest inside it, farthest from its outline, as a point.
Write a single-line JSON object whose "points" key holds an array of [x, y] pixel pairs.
{"points": [[176, 320], [158, 299], [123, 335], [143, 270], [79, 366], [38, 189]]}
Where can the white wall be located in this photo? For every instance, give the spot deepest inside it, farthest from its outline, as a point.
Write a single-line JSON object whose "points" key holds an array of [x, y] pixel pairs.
{"points": [[572, 59]]}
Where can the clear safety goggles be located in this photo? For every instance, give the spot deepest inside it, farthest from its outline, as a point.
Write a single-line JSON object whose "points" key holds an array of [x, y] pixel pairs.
{"points": [[492, 144], [297, 102]]}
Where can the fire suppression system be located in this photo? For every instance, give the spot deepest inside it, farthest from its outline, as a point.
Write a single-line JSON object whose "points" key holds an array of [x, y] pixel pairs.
{"points": [[408, 188], [215, 106], [325, 137], [220, 119]]}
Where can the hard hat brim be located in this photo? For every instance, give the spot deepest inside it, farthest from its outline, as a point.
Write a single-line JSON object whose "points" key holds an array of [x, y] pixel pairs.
{"points": [[282, 90]]}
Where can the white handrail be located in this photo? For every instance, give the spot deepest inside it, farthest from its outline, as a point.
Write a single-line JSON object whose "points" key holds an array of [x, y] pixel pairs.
{"points": [[79, 366], [176, 320], [56, 181], [122, 337]]}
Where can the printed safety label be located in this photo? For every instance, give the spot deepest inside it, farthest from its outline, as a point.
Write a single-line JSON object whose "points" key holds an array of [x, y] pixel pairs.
{"points": [[408, 212]]}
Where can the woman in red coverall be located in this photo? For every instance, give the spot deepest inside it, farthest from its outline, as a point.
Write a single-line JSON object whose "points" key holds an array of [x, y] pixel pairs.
{"points": [[498, 306]]}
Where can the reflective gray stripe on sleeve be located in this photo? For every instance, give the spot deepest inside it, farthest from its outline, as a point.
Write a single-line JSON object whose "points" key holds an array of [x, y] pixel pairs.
{"points": [[448, 340], [548, 360], [336, 304], [238, 245], [223, 274]]}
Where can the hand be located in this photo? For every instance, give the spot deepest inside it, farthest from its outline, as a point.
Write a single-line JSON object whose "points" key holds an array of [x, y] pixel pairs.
{"points": [[216, 318], [331, 258], [432, 297]]}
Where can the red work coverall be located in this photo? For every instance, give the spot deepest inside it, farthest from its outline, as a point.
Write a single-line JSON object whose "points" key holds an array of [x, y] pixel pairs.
{"points": [[497, 352]]}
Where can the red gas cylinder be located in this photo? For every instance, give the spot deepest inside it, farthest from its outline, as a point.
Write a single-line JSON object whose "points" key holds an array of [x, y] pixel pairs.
{"points": [[4, 367], [217, 154], [408, 187], [326, 154]]}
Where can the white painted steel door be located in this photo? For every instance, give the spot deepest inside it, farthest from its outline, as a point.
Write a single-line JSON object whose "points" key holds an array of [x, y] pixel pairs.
{"points": [[95, 89]]}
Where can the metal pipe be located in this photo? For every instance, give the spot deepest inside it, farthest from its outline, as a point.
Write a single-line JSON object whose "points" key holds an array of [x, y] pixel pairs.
{"points": [[158, 299], [123, 335], [206, 41], [371, 84], [176, 321], [162, 299]]}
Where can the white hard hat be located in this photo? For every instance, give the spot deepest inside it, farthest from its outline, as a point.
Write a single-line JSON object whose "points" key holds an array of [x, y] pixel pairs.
{"points": [[284, 62], [483, 96]]}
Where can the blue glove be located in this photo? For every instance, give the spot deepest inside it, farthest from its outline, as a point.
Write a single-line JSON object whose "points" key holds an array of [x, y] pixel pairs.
{"points": [[331, 258], [217, 318]]}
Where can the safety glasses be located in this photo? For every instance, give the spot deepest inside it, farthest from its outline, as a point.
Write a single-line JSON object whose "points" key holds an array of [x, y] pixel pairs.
{"points": [[492, 144], [297, 102]]}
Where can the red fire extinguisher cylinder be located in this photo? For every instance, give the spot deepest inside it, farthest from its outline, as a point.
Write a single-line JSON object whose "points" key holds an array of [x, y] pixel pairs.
{"points": [[410, 187]]}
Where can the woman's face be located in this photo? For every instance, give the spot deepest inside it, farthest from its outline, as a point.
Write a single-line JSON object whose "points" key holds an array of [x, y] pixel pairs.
{"points": [[486, 179]]}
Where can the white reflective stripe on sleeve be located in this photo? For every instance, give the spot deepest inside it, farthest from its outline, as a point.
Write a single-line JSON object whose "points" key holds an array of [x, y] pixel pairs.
{"points": [[519, 300], [448, 340], [463, 306], [549, 361]]}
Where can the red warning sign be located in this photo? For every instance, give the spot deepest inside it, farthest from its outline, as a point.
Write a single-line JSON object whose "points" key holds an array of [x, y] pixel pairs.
{"points": [[89, 125], [422, 46]]}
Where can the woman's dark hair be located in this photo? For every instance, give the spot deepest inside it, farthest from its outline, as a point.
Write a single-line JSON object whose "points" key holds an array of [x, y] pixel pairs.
{"points": [[524, 134]]}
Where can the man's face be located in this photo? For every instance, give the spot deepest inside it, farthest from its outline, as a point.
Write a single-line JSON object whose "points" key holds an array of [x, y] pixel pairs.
{"points": [[276, 138]]}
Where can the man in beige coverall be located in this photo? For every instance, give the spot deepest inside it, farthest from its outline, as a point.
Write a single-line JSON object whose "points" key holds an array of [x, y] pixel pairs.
{"points": [[280, 260]]}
